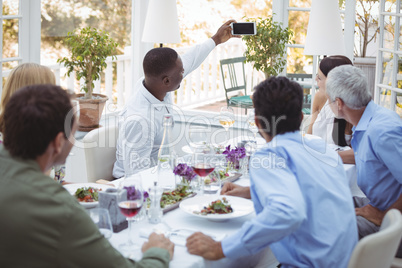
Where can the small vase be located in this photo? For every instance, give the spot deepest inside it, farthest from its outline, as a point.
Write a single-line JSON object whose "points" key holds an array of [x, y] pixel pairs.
{"points": [[181, 183]]}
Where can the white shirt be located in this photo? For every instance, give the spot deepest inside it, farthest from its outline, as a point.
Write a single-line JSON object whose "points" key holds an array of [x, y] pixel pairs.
{"points": [[324, 124], [141, 128]]}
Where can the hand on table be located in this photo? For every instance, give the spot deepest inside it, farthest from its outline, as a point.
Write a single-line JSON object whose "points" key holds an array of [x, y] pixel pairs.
{"points": [[204, 246], [232, 189], [371, 213], [158, 241]]}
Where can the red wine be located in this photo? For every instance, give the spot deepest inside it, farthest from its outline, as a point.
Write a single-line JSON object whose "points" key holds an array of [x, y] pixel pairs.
{"points": [[203, 170], [129, 208]]}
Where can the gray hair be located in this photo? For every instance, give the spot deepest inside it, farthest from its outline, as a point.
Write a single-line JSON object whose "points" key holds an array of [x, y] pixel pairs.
{"points": [[348, 83]]}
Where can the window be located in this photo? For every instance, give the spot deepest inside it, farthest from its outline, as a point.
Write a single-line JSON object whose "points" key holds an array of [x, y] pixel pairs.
{"points": [[388, 89], [20, 34]]}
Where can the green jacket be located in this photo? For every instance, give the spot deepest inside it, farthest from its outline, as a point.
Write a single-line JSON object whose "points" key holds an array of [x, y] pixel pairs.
{"points": [[42, 225]]}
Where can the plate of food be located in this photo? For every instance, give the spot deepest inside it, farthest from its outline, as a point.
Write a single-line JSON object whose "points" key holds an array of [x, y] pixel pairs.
{"points": [[171, 199], [86, 193], [215, 208]]}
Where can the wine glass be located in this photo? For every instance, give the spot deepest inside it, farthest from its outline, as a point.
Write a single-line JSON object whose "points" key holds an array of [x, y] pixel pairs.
{"points": [[251, 124], [101, 218], [250, 147], [203, 165], [197, 138], [226, 118], [130, 201]]}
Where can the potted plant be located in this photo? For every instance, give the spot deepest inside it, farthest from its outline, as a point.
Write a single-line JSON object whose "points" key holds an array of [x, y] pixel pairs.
{"points": [[89, 49], [266, 49]]}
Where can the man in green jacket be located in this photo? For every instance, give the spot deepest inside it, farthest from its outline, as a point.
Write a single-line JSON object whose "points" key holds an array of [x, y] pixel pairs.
{"points": [[41, 224]]}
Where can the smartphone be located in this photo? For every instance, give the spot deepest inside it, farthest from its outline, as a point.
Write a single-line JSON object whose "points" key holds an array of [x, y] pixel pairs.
{"points": [[244, 28]]}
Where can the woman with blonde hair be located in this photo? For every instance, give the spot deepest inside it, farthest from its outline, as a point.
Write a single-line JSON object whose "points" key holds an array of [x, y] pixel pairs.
{"points": [[27, 74], [24, 75]]}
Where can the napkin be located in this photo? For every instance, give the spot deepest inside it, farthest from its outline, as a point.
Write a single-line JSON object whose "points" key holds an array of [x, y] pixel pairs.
{"points": [[177, 236]]}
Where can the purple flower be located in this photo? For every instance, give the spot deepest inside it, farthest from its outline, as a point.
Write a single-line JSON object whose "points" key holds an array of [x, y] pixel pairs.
{"points": [[184, 171], [133, 194], [234, 155]]}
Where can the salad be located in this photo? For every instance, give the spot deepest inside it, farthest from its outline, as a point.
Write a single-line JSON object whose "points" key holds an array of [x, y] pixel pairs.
{"points": [[216, 207], [87, 194], [172, 197]]}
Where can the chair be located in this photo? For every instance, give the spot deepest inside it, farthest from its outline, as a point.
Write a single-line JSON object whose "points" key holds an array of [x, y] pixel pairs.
{"points": [[397, 263], [100, 152], [306, 97], [234, 70], [378, 249]]}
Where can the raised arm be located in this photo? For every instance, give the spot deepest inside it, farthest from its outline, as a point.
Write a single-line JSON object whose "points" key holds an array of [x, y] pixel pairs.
{"points": [[197, 54], [224, 33]]}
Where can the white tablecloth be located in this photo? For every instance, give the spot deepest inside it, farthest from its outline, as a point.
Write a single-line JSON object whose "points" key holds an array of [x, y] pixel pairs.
{"points": [[178, 219]]}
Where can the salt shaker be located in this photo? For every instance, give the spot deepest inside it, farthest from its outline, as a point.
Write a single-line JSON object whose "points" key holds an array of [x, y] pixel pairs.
{"points": [[155, 212]]}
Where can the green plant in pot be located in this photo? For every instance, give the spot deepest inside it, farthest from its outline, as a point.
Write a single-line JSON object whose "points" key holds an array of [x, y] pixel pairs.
{"points": [[89, 49], [266, 50]]}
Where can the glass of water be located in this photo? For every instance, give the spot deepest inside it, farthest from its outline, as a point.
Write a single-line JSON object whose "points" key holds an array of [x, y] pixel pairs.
{"points": [[101, 218], [213, 182]]}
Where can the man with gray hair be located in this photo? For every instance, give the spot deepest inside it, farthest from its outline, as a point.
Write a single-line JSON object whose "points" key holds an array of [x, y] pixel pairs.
{"points": [[377, 145]]}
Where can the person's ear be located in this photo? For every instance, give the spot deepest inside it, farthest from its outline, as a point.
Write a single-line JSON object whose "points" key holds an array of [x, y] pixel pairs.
{"points": [[257, 123], [58, 142], [340, 104], [166, 80]]}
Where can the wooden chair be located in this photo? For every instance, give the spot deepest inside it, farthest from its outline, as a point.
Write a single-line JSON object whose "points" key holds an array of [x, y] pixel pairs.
{"points": [[234, 80], [378, 249]]}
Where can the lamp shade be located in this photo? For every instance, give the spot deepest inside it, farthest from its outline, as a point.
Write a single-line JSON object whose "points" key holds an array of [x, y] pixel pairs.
{"points": [[161, 23], [324, 32]]}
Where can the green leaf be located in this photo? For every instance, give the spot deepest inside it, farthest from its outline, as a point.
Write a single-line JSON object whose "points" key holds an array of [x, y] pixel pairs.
{"points": [[89, 48]]}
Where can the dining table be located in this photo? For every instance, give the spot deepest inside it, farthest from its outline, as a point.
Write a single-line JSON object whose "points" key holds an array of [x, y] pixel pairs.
{"points": [[179, 220]]}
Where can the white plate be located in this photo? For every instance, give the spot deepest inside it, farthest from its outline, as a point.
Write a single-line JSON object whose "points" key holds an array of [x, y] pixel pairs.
{"points": [[241, 207], [72, 188]]}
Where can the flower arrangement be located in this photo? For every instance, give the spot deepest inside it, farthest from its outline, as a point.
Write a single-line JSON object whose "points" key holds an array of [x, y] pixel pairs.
{"points": [[132, 194], [185, 172], [234, 155]]}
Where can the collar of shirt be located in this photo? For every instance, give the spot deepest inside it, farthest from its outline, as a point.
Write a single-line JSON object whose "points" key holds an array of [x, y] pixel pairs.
{"points": [[284, 138], [366, 117], [154, 101]]}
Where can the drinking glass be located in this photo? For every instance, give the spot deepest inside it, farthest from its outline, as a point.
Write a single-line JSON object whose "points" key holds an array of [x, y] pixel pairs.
{"points": [[251, 124], [197, 138], [213, 182], [226, 118], [251, 148], [203, 165], [130, 203], [101, 218]]}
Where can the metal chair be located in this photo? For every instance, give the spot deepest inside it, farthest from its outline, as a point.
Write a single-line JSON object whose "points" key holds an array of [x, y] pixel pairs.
{"points": [[378, 249], [233, 70], [306, 97]]}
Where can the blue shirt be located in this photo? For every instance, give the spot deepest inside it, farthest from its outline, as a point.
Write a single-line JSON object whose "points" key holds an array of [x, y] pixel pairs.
{"points": [[377, 143], [303, 203]]}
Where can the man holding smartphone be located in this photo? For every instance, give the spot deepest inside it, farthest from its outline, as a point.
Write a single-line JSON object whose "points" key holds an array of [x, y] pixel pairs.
{"points": [[141, 128]]}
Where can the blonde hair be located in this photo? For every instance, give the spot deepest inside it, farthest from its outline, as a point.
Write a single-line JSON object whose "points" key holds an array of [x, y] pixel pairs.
{"points": [[25, 74]]}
